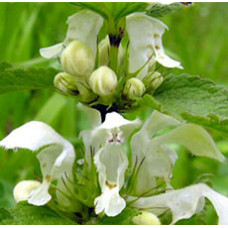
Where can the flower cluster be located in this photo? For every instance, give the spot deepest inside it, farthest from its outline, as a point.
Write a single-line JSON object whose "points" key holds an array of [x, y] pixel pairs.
{"points": [[134, 163], [108, 71]]}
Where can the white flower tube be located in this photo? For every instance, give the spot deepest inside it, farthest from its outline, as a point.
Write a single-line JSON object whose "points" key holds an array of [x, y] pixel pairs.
{"points": [[56, 155], [111, 162], [145, 33], [186, 202]]}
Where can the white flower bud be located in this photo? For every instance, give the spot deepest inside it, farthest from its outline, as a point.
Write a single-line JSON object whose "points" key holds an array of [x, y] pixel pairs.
{"points": [[77, 59], [23, 189], [146, 218], [134, 88], [104, 51], [66, 83], [154, 80], [103, 81]]}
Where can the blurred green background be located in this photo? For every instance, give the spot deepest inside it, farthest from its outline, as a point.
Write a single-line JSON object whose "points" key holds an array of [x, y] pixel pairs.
{"points": [[197, 36]]}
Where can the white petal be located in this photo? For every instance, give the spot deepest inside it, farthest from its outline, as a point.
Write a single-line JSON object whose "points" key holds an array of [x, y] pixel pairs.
{"points": [[84, 26], [160, 55], [114, 120], [40, 196], [184, 202], [194, 138], [33, 136], [110, 202], [51, 52], [97, 137], [165, 60], [111, 163], [56, 154], [155, 158], [145, 33], [157, 163], [156, 122], [23, 189]]}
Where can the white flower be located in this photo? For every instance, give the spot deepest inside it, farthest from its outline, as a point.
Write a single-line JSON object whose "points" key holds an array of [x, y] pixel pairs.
{"points": [[114, 130], [83, 26], [106, 141], [55, 154], [145, 33], [23, 190], [154, 158], [152, 154], [111, 162], [186, 202]]}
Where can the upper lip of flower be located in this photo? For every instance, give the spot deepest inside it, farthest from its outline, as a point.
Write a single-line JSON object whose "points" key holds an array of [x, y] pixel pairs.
{"points": [[83, 26], [145, 33]]}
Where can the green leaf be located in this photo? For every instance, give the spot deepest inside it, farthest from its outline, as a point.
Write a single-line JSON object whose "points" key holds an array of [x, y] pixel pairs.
{"points": [[97, 7], [113, 10], [149, 101], [6, 195], [4, 215], [122, 9], [194, 99], [160, 10], [211, 121], [125, 218], [24, 165], [25, 214], [12, 79], [118, 10]]}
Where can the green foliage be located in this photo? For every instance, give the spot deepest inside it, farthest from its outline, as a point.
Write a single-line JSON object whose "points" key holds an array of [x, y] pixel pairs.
{"points": [[24, 163], [6, 194], [25, 214], [116, 11], [195, 99], [13, 79], [125, 218], [110, 10], [121, 9], [160, 10], [150, 101], [211, 121]]}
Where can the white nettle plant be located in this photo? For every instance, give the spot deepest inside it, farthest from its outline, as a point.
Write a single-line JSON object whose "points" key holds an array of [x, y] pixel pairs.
{"points": [[151, 155], [130, 157]]}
